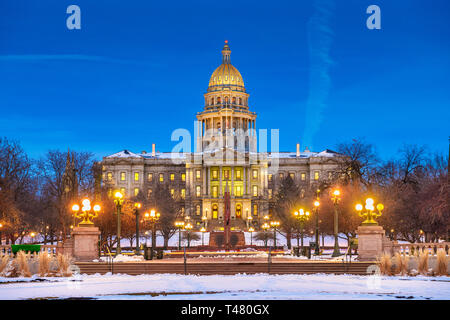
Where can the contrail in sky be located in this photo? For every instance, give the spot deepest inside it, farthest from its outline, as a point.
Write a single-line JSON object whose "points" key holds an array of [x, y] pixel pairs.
{"points": [[320, 36]]}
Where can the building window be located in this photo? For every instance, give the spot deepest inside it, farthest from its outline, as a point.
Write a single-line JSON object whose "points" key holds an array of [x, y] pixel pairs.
{"points": [[330, 175], [214, 191], [198, 191], [255, 191], [240, 100], [292, 175], [123, 176], [109, 176], [161, 177], [303, 176], [150, 177], [172, 176], [302, 193], [226, 174], [214, 174], [198, 210], [182, 211], [122, 191], [238, 174], [281, 176], [172, 193], [238, 192], [270, 177], [316, 175], [110, 192], [197, 174], [215, 211], [149, 193], [270, 193], [136, 192], [255, 174], [136, 176], [255, 209], [183, 177], [183, 193]]}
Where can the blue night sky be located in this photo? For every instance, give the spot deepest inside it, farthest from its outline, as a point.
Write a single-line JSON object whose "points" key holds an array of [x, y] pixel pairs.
{"points": [[137, 70]]}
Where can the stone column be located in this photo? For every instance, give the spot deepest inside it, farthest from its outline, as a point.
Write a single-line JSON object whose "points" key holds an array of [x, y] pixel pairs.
{"points": [[208, 185], [204, 181], [232, 182], [220, 181], [370, 242], [85, 243]]}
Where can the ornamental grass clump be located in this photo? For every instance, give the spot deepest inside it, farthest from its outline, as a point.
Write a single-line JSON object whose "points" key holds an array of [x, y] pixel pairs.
{"points": [[44, 263], [63, 265], [423, 262], [3, 262], [385, 264], [441, 263], [22, 263], [401, 264]]}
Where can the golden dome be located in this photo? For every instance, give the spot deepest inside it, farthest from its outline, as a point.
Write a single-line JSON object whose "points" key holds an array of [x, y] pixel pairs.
{"points": [[226, 75]]}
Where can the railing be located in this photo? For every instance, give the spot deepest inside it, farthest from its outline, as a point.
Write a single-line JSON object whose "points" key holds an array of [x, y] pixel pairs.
{"points": [[412, 248], [49, 248]]}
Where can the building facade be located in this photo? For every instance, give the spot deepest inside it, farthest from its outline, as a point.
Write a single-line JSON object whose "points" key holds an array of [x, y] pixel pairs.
{"points": [[226, 158]]}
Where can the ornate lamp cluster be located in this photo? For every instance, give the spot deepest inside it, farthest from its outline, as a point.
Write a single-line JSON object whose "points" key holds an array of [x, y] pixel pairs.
{"points": [[370, 212], [87, 212]]}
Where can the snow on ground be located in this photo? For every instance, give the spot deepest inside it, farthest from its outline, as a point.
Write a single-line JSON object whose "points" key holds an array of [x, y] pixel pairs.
{"points": [[218, 287]]}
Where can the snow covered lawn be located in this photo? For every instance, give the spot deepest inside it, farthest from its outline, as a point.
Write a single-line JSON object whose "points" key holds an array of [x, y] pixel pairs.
{"points": [[259, 286]]}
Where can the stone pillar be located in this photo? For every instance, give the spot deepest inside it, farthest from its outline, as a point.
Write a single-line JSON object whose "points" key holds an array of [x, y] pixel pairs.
{"points": [[220, 182], [85, 243], [370, 242], [232, 183]]}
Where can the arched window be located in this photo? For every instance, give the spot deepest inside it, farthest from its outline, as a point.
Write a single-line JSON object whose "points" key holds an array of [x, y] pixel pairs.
{"points": [[255, 209], [234, 100], [226, 99], [212, 101], [198, 210], [240, 101], [215, 211], [238, 210], [218, 100]]}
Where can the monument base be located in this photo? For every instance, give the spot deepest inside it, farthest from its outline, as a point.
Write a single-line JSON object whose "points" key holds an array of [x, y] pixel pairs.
{"points": [[370, 242], [217, 239], [85, 243]]}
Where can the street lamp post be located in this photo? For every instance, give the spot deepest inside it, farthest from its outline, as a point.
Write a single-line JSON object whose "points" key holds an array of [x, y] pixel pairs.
{"points": [[153, 217], [302, 217], [202, 230], [265, 226], [137, 206], [188, 229], [249, 221], [274, 225], [336, 198], [118, 201], [179, 225], [251, 230], [370, 212], [316, 206]]}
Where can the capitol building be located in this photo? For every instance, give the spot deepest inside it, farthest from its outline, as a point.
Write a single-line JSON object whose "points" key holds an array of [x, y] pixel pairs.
{"points": [[226, 158]]}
